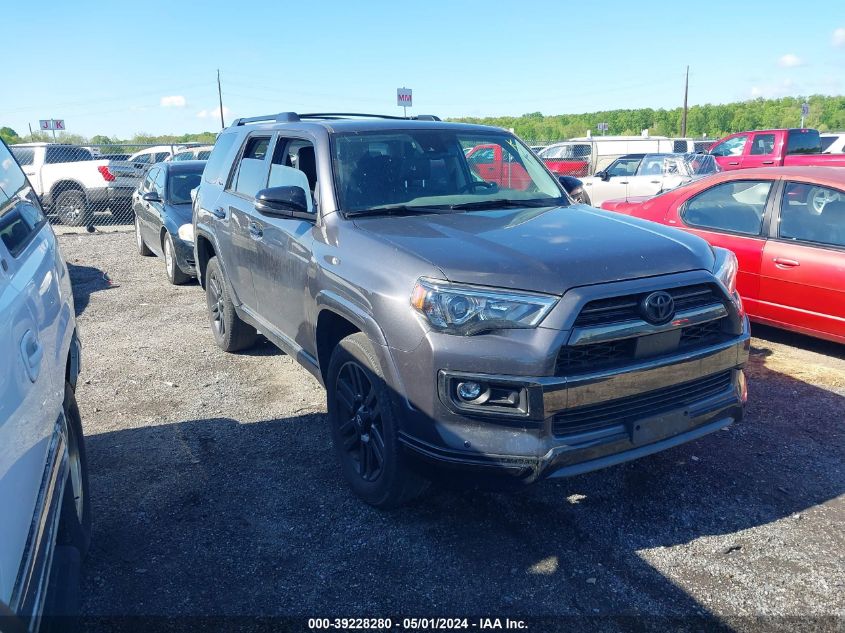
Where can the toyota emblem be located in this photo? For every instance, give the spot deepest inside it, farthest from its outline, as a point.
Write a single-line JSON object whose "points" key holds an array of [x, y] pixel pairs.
{"points": [[658, 307]]}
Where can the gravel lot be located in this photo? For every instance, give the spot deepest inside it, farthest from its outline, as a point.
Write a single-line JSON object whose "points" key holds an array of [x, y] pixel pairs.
{"points": [[215, 491]]}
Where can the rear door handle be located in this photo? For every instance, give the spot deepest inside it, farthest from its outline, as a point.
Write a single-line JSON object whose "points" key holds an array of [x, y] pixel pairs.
{"points": [[733, 163], [32, 353], [256, 230], [219, 212], [780, 262], [654, 182]]}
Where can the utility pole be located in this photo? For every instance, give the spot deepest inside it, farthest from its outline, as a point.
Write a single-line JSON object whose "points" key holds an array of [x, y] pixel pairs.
{"points": [[684, 118], [220, 97]]}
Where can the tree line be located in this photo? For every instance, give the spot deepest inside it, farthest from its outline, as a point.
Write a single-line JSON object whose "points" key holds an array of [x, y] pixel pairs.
{"points": [[712, 121], [827, 113]]}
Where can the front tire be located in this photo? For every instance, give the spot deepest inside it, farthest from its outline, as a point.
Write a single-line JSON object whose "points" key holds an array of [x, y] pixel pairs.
{"points": [[174, 273], [72, 207], [75, 520], [230, 332], [365, 429]]}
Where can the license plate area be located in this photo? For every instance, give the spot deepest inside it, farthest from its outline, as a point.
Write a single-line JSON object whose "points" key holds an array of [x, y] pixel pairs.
{"points": [[656, 428]]}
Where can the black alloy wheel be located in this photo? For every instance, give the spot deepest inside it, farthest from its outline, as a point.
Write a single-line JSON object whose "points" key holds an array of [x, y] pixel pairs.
{"points": [[361, 428]]}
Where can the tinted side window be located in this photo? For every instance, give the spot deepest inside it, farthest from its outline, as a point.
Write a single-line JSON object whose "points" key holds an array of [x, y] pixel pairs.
{"points": [[252, 170], [66, 154], [804, 142], [812, 214], [731, 206], [158, 182], [763, 144], [143, 159], [826, 141], [216, 169], [160, 156], [731, 147], [25, 155], [624, 167]]}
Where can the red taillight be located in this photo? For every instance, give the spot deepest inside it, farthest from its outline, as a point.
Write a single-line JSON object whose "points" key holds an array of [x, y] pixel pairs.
{"points": [[105, 173]]}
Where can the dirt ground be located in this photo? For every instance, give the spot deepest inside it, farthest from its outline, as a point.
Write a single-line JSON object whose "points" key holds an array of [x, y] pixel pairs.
{"points": [[215, 492]]}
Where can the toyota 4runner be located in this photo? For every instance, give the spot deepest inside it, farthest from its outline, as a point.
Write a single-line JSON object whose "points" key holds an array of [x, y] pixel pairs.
{"points": [[477, 322]]}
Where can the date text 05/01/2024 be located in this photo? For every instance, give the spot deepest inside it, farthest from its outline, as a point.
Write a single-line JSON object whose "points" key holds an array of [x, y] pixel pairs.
{"points": [[416, 624]]}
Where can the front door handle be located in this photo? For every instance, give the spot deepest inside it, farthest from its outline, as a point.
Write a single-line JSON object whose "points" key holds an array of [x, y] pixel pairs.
{"points": [[768, 162], [219, 213], [781, 262], [736, 162], [654, 182], [32, 353], [256, 231]]}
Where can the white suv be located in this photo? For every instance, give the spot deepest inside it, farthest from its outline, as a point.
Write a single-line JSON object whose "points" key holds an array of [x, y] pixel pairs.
{"points": [[45, 527]]}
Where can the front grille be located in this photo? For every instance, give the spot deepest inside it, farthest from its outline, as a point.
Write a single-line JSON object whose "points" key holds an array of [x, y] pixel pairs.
{"points": [[626, 307], [623, 410], [702, 334], [598, 356]]}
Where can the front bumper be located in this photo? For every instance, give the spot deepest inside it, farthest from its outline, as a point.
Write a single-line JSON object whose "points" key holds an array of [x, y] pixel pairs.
{"points": [[618, 415], [184, 252]]}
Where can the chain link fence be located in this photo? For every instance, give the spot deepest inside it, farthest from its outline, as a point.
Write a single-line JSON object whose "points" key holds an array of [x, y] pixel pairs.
{"points": [[92, 185]]}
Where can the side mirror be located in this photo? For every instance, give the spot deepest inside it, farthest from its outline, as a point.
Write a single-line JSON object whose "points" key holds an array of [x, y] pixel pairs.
{"points": [[570, 183], [602, 175], [289, 201], [151, 196]]}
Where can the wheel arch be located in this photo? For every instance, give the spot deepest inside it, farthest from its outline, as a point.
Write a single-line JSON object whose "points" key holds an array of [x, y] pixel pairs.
{"points": [[205, 250], [66, 184]]}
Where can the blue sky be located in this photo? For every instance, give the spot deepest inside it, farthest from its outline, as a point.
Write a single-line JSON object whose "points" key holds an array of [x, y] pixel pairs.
{"points": [[150, 66]]}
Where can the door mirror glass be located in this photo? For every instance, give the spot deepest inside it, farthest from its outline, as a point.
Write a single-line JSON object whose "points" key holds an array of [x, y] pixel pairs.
{"points": [[284, 201], [151, 196]]}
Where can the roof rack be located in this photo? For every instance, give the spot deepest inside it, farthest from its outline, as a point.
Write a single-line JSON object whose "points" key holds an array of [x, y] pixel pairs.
{"points": [[292, 117]]}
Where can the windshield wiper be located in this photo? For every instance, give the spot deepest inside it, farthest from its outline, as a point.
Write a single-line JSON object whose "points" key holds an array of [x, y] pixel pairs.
{"points": [[505, 203], [396, 209]]}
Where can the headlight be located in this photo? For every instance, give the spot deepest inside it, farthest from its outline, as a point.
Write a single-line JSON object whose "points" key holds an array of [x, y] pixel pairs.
{"points": [[467, 310], [186, 232], [726, 268]]}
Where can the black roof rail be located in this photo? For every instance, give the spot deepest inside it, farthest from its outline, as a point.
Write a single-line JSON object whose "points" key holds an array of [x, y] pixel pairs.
{"points": [[346, 115], [281, 117], [292, 117]]}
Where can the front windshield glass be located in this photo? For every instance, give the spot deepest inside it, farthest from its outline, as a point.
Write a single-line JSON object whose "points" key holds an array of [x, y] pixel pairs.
{"points": [[179, 186], [438, 168], [686, 165]]}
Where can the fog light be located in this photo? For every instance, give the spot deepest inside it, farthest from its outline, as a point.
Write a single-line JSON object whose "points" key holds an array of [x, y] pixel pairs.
{"points": [[468, 391]]}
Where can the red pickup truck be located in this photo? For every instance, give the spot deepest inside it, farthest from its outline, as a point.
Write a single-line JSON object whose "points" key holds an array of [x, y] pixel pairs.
{"points": [[773, 148], [491, 164]]}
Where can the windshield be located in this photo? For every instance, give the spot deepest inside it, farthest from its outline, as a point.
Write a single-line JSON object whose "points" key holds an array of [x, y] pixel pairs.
{"points": [[579, 151], [438, 169], [179, 186], [686, 165]]}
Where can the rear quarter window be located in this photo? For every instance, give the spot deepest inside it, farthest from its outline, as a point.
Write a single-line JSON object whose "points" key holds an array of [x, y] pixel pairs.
{"points": [[804, 142], [25, 155], [217, 168]]}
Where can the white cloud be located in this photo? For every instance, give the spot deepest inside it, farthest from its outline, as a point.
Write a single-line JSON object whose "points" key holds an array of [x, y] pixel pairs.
{"points": [[173, 101], [785, 88], [790, 61], [839, 37], [214, 113]]}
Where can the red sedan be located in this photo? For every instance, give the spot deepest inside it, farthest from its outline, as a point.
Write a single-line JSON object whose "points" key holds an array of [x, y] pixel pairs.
{"points": [[787, 228]]}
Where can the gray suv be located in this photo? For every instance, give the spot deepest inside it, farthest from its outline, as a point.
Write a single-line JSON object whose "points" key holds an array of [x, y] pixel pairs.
{"points": [[465, 317]]}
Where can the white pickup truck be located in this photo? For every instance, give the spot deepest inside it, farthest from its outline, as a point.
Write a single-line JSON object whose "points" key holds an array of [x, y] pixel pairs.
{"points": [[73, 185]]}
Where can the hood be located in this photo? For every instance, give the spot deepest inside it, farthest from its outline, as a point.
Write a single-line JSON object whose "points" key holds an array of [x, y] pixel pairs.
{"points": [[181, 213], [546, 250]]}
